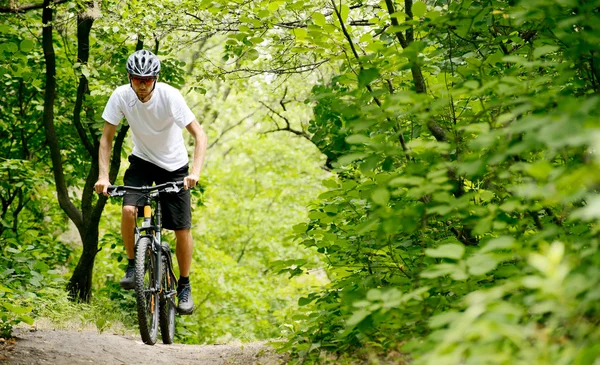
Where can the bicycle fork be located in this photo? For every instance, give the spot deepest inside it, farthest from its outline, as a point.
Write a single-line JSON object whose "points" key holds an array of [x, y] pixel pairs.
{"points": [[170, 276]]}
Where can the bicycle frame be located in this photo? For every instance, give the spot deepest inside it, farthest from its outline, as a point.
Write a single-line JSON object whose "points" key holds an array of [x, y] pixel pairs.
{"points": [[155, 298], [153, 232], [152, 229]]}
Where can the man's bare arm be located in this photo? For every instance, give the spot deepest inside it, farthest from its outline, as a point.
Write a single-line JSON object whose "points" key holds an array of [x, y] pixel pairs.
{"points": [[108, 134], [201, 142]]}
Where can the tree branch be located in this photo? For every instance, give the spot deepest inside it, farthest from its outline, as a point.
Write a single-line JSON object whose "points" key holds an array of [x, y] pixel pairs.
{"points": [[288, 127], [280, 71], [394, 20], [410, 34], [228, 129], [25, 8], [84, 26]]}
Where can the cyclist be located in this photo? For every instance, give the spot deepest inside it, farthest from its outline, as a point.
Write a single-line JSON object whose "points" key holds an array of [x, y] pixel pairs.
{"points": [[156, 113]]}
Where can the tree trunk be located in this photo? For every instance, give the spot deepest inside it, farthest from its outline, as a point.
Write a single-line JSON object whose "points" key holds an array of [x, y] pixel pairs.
{"points": [[48, 118], [405, 40], [80, 284]]}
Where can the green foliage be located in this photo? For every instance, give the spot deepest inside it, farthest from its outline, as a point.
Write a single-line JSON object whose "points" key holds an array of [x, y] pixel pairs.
{"points": [[462, 220], [28, 271], [31, 257]]}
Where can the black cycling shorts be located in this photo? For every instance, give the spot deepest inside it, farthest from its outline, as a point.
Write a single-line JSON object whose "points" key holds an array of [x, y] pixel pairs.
{"points": [[176, 207]]}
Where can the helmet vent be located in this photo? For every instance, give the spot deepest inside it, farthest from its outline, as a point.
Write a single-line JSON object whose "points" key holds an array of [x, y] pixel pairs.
{"points": [[143, 63]]}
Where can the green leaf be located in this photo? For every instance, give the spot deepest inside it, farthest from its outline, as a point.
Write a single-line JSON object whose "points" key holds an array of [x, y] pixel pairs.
{"points": [[588, 354], [590, 211], [357, 317], [450, 251], [443, 319], [358, 139], [544, 50], [26, 45], [486, 195], [367, 75], [481, 264], [300, 33], [331, 183], [319, 19], [511, 206], [27, 319], [273, 6], [305, 301], [351, 157], [252, 54], [540, 170], [399, 15], [11, 47], [500, 243], [16, 309], [344, 11], [374, 295], [419, 9], [455, 271], [381, 196], [300, 228], [404, 181]]}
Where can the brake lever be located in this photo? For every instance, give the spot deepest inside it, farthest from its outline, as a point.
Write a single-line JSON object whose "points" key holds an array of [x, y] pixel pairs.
{"points": [[173, 189], [117, 192]]}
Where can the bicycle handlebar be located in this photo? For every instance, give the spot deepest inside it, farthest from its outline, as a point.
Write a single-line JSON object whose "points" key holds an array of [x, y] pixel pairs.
{"points": [[169, 187]]}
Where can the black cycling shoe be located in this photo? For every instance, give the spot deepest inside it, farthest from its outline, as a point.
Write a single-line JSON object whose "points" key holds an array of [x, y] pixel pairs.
{"points": [[128, 281], [186, 302]]}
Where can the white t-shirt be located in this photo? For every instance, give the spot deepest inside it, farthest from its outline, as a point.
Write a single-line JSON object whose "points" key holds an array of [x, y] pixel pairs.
{"points": [[156, 125]]}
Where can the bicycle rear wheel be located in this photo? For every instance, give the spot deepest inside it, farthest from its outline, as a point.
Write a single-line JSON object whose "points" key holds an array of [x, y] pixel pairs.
{"points": [[145, 290], [167, 302]]}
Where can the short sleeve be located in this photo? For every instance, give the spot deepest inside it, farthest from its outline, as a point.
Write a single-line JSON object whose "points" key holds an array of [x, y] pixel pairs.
{"points": [[112, 111], [180, 111]]}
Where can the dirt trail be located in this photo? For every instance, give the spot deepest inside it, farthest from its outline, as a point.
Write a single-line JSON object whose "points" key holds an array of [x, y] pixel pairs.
{"points": [[89, 347]]}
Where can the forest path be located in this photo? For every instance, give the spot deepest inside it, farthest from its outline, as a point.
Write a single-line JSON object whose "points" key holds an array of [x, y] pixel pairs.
{"points": [[36, 347]]}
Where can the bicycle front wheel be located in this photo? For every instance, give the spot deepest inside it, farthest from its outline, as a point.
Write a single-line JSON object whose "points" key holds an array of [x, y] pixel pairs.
{"points": [[167, 303], [146, 293]]}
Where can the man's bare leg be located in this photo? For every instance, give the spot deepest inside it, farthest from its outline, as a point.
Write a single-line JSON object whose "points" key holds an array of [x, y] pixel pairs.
{"points": [[183, 250], [127, 226]]}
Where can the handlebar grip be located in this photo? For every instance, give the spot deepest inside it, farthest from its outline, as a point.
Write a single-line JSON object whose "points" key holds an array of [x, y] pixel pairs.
{"points": [[109, 189]]}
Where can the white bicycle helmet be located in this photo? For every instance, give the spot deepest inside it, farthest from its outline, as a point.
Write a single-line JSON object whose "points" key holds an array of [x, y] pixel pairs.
{"points": [[143, 63]]}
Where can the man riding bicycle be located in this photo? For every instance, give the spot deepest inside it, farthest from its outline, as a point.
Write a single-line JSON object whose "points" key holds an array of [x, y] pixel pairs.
{"points": [[156, 113]]}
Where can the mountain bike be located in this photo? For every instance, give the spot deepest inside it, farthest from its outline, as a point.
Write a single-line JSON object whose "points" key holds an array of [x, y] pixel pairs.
{"points": [[155, 282]]}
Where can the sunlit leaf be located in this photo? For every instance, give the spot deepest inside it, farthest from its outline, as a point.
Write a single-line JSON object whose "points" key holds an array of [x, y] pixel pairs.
{"points": [[451, 251]]}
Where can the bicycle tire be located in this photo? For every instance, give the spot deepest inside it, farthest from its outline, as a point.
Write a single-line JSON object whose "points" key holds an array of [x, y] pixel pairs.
{"points": [[167, 306], [145, 294]]}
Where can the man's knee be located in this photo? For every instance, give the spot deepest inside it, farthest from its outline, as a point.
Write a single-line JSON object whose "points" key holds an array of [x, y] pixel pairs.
{"points": [[182, 232], [183, 235], [129, 212]]}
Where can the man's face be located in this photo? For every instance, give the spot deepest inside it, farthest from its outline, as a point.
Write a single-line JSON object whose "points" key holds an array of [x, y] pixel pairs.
{"points": [[142, 85]]}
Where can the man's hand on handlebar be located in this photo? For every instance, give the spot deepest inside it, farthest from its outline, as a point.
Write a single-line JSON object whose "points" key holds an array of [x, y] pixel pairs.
{"points": [[190, 181], [101, 186]]}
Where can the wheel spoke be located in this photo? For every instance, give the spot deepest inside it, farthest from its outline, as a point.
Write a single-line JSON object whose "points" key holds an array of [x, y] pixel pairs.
{"points": [[146, 293]]}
